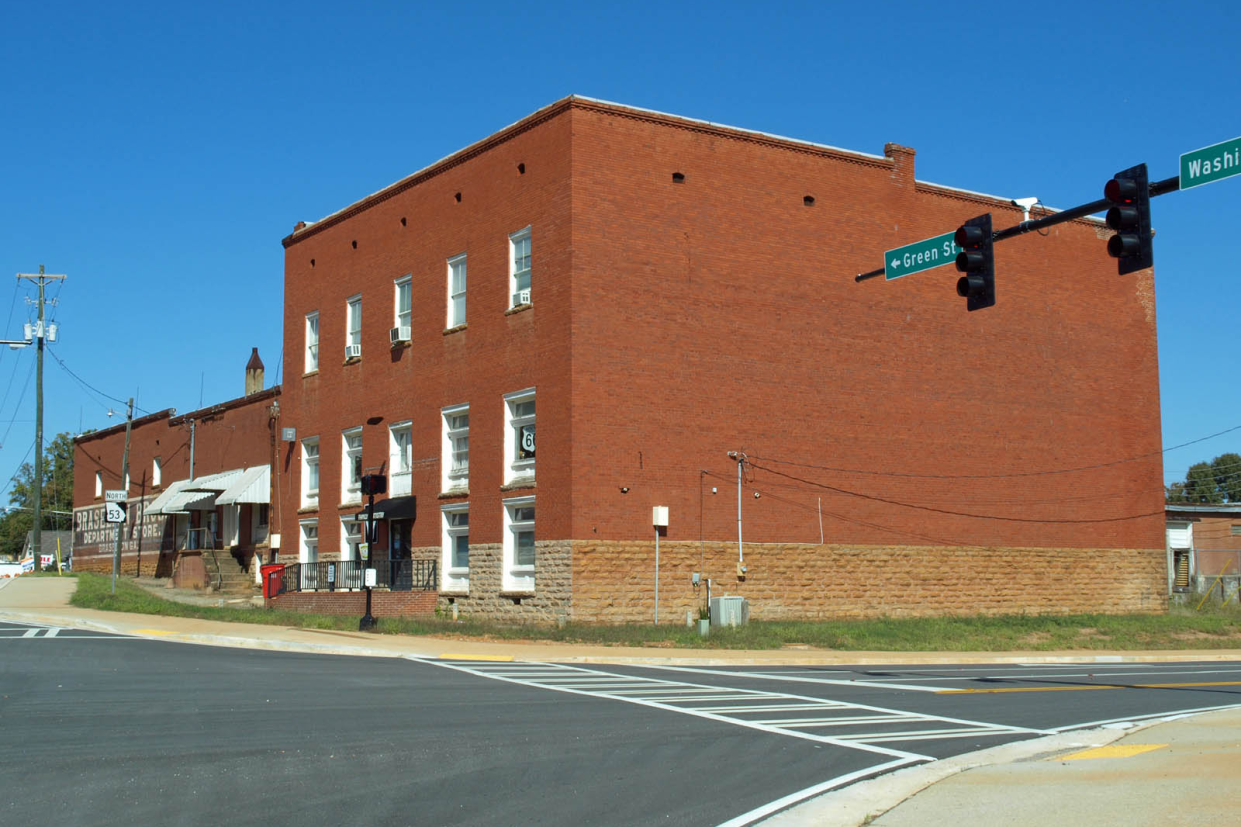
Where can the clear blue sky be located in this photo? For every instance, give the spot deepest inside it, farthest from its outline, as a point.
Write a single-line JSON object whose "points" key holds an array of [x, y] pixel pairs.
{"points": [[158, 152]]}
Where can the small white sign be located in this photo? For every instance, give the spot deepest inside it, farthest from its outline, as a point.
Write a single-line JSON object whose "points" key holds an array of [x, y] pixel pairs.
{"points": [[370, 578], [113, 512], [364, 549], [115, 496]]}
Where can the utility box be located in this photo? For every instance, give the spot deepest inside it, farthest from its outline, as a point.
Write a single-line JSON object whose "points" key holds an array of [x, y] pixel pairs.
{"points": [[730, 611], [273, 579]]}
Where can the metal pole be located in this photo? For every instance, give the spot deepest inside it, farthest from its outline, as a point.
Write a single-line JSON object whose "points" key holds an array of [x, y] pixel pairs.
{"points": [[368, 620], [1156, 188], [192, 424], [38, 436], [42, 278], [116, 549], [656, 575], [740, 457]]}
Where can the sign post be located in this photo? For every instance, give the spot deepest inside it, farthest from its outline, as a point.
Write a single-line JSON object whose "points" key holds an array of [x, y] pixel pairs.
{"points": [[114, 512]]}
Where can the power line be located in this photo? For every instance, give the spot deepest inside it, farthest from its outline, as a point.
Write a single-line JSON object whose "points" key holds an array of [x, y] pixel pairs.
{"points": [[951, 512], [90, 387], [995, 476], [13, 478]]}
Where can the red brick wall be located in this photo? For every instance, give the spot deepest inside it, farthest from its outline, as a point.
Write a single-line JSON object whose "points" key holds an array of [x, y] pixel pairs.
{"points": [[414, 232], [673, 323], [383, 604], [231, 435], [1217, 549], [721, 314]]}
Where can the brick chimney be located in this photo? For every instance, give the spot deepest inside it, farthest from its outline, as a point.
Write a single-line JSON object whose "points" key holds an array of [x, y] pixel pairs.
{"points": [[254, 373]]}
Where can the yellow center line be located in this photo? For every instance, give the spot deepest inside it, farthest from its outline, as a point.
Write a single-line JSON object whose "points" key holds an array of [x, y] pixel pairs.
{"points": [[1085, 688]]}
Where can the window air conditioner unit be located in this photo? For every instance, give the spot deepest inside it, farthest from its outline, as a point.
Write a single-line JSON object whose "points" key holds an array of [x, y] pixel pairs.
{"points": [[399, 334], [521, 297], [353, 351]]}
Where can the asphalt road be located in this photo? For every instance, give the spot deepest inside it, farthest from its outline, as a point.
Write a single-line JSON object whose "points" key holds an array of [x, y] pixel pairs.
{"points": [[100, 729]]}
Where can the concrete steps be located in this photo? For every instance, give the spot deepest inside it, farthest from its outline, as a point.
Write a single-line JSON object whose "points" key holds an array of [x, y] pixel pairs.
{"points": [[233, 579]]}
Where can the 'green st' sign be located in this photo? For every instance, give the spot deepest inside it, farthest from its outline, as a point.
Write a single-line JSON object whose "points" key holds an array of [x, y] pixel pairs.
{"points": [[1211, 163], [919, 256]]}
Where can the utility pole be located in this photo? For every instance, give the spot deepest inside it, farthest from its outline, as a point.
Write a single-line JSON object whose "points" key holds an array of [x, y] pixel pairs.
{"points": [[116, 551], [40, 333]]}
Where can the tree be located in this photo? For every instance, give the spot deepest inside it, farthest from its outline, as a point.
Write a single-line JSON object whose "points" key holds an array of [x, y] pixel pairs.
{"points": [[1227, 471], [1217, 481], [57, 496]]}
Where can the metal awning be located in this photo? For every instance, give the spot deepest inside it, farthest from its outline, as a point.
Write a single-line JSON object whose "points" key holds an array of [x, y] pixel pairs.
{"points": [[398, 508], [215, 482], [252, 485], [163, 504], [198, 494]]}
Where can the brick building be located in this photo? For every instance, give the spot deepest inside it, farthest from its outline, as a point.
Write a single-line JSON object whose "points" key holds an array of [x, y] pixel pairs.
{"points": [[656, 292], [1204, 546], [198, 483]]}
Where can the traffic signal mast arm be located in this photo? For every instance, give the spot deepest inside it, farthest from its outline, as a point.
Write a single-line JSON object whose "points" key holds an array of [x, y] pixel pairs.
{"points": [[1156, 188]]}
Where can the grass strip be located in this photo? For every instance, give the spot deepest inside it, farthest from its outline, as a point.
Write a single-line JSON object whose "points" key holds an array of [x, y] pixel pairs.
{"points": [[1214, 627]]}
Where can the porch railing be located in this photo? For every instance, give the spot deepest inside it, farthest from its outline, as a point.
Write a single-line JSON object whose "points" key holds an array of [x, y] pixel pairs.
{"points": [[349, 575]]}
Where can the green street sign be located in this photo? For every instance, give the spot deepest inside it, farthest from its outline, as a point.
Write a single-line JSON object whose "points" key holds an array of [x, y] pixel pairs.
{"points": [[919, 256], [1211, 163]]}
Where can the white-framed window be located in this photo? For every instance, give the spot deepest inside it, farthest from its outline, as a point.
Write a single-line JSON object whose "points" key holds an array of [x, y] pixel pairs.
{"points": [[157, 473], [353, 326], [519, 267], [456, 290], [351, 531], [312, 342], [456, 453], [518, 545], [310, 471], [403, 305], [98, 483], [455, 561], [308, 553], [400, 459], [519, 435], [351, 465]]}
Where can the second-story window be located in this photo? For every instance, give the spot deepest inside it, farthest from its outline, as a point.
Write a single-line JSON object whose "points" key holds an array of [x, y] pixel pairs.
{"points": [[351, 465], [400, 459], [353, 328], [157, 474], [310, 471], [312, 342], [519, 442], [456, 291], [404, 310]]}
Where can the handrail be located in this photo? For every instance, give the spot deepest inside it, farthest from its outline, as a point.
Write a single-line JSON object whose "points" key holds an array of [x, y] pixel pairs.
{"points": [[210, 546]]}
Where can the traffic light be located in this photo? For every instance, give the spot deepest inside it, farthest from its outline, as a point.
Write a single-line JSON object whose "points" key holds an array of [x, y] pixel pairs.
{"points": [[1129, 191], [977, 261], [374, 484]]}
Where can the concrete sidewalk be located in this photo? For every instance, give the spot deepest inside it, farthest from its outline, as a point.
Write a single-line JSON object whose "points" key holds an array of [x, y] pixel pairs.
{"points": [[1174, 771]]}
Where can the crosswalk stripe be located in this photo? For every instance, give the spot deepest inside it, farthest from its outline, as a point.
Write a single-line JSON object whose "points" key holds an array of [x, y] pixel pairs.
{"points": [[731, 705]]}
